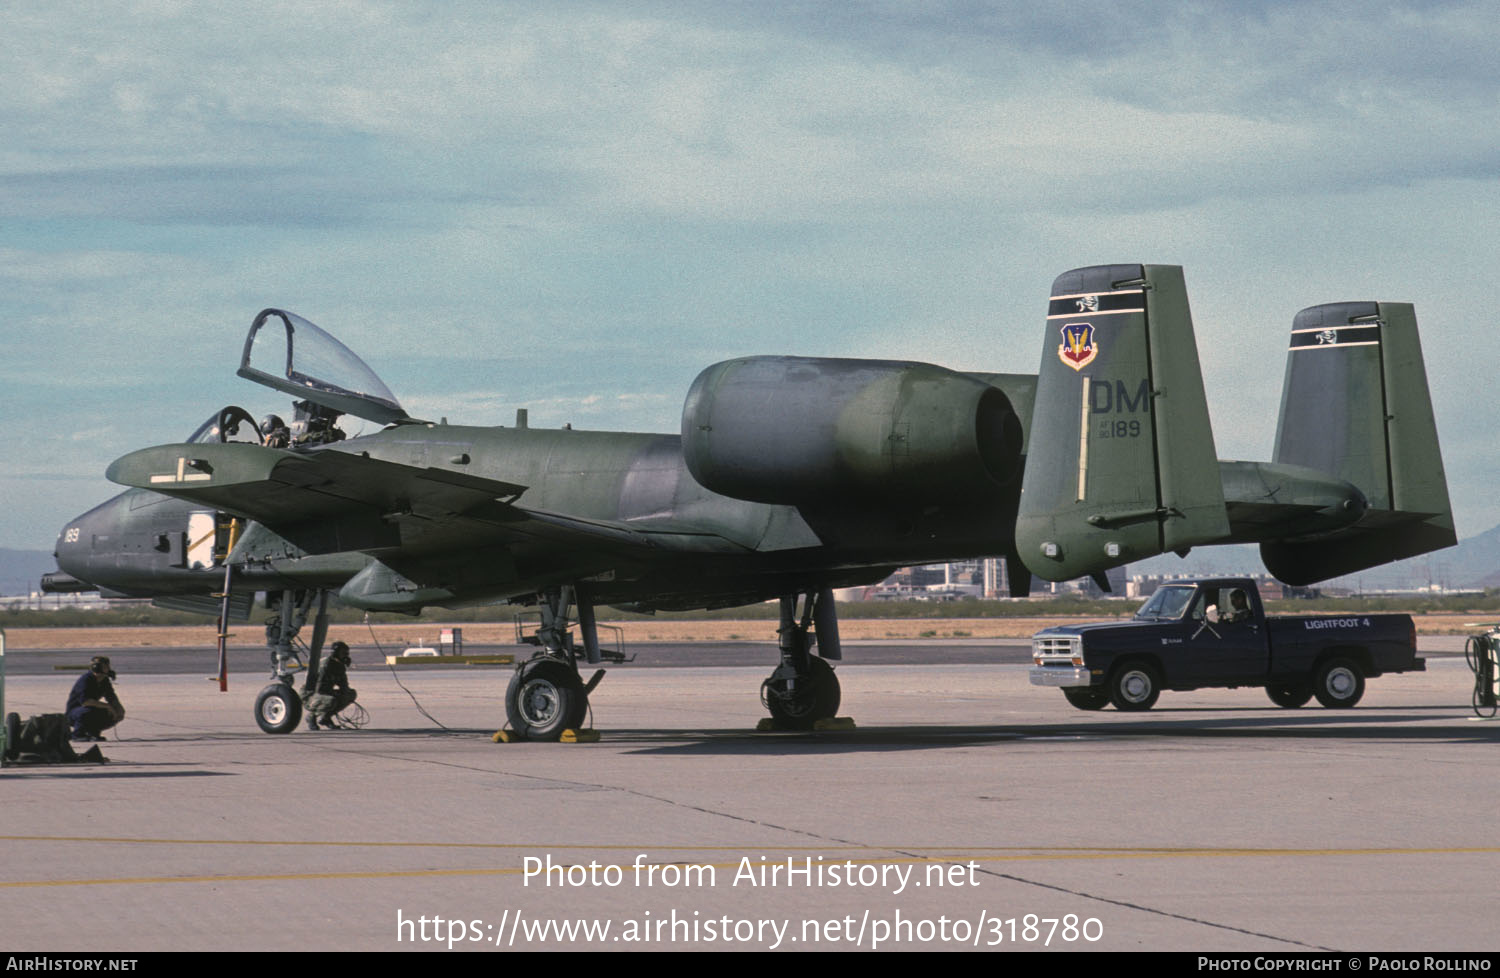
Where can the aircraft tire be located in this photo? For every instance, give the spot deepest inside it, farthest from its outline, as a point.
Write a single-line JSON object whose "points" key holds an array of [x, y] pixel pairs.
{"points": [[1088, 697], [12, 736], [817, 699], [1134, 686], [1289, 695], [1339, 683], [278, 709], [545, 697]]}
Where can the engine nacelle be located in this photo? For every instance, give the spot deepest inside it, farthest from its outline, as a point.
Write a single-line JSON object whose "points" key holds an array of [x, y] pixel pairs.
{"points": [[795, 430]]}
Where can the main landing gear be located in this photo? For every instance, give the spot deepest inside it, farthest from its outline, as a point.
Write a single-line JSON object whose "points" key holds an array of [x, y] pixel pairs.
{"points": [[804, 689], [547, 695]]}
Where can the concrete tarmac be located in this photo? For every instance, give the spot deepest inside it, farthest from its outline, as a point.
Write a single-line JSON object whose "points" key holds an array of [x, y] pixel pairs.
{"points": [[967, 809]]}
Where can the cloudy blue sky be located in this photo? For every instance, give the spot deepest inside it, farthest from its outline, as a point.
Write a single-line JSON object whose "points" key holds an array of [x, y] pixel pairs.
{"points": [[573, 207]]}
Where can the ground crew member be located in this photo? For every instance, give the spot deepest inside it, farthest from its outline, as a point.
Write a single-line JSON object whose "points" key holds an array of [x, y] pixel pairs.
{"points": [[333, 693], [93, 706]]}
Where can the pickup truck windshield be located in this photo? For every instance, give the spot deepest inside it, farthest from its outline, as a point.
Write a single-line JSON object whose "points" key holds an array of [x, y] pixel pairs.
{"points": [[1168, 603]]}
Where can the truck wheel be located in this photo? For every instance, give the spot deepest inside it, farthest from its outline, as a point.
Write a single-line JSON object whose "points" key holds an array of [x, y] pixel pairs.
{"points": [[1289, 695], [1338, 683], [1087, 697], [1134, 687]]}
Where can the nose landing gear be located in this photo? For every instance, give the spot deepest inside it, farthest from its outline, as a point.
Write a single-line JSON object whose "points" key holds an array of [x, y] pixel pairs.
{"points": [[546, 695]]}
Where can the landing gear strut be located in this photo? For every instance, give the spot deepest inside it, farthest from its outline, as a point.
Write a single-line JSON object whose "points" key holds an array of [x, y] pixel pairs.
{"points": [[546, 694], [804, 689], [278, 708]]}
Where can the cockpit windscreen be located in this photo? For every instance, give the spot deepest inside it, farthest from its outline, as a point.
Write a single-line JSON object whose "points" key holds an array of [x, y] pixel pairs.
{"points": [[232, 424]]}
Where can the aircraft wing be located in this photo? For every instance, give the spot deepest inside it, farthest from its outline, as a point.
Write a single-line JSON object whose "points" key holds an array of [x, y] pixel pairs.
{"points": [[328, 500], [275, 486]]}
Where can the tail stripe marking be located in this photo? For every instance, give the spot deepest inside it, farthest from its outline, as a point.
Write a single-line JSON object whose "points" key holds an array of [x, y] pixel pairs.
{"points": [[1096, 304], [1323, 337]]}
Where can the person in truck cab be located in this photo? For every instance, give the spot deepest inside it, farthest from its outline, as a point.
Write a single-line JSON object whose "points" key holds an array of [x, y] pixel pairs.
{"points": [[1239, 608]]}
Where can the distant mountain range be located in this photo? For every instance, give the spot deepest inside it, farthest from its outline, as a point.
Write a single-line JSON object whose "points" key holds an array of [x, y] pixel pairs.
{"points": [[1474, 563], [21, 570]]}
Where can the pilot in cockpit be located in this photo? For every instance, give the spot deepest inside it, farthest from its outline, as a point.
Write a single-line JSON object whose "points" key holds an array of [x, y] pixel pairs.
{"points": [[274, 432]]}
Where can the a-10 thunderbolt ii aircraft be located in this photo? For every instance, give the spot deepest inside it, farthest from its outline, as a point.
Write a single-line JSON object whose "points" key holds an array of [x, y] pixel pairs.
{"points": [[792, 476]]}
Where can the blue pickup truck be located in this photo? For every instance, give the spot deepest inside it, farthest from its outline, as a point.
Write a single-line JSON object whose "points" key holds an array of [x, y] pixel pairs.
{"points": [[1214, 633]]}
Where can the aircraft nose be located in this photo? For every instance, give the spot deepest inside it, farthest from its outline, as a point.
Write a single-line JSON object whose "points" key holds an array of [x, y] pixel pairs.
{"points": [[72, 547], [79, 542]]}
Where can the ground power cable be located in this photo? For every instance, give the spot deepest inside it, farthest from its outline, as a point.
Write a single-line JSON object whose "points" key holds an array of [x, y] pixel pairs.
{"points": [[415, 702]]}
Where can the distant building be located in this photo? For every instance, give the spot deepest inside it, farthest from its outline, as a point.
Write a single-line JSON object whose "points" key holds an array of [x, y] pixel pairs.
{"points": [[986, 578], [1270, 589]]}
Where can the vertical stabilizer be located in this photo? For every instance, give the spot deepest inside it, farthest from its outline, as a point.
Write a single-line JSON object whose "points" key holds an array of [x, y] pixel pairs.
{"points": [[1120, 459], [1356, 405]]}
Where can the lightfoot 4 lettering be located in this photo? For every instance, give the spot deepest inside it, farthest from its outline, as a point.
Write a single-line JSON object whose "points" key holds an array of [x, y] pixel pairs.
{"points": [[1319, 623]]}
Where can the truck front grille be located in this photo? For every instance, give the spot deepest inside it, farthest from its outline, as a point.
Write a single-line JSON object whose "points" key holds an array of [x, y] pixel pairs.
{"points": [[1049, 649]]}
